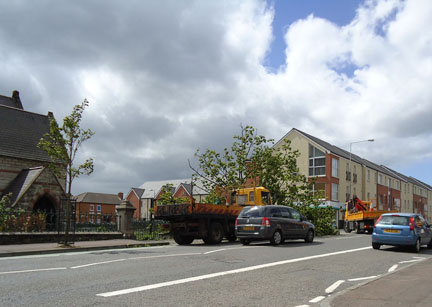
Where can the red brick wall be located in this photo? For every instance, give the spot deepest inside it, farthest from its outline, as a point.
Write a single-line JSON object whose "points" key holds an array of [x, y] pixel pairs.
{"points": [[136, 202]]}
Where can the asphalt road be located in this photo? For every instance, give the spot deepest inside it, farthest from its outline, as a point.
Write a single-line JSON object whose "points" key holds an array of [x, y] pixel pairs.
{"points": [[229, 274]]}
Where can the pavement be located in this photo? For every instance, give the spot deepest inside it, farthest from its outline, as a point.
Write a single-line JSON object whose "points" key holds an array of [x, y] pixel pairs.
{"points": [[410, 286], [53, 248]]}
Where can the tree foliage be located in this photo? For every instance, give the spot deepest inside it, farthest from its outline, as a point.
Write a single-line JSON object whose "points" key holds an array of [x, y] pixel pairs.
{"points": [[62, 144], [167, 196], [253, 158]]}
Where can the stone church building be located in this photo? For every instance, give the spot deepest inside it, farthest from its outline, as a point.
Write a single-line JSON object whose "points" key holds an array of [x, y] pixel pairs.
{"points": [[24, 174]]}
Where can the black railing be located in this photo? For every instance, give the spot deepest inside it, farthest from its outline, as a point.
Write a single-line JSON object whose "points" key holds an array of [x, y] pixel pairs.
{"points": [[27, 221], [150, 230], [89, 222]]}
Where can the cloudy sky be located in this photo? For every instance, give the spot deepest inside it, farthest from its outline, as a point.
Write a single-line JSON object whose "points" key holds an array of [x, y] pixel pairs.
{"points": [[164, 78]]}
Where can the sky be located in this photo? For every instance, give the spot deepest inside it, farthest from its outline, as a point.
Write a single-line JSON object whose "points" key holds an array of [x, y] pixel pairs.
{"points": [[165, 78]]}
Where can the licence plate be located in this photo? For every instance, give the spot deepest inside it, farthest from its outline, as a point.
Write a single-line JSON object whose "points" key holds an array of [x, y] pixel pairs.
{"points": [[392, 230], [248, 228]]}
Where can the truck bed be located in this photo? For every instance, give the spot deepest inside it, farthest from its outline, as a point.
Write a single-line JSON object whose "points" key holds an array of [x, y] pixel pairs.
{"points": [[197, 209], [366, 215]]}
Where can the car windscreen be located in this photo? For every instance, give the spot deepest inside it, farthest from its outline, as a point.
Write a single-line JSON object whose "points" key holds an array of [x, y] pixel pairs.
{"points": [[394, 220], [252, 212]]}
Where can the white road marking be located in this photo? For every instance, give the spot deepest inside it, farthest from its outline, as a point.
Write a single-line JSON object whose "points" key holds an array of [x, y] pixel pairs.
{"points": [[164, 256], [363, 278], [302, 306], [409, 261], [317, 299], [28, 271], [334, 286], [96, 263], [394, 267], [215, 251], [420, 257], [236, 271], [350, 237]]}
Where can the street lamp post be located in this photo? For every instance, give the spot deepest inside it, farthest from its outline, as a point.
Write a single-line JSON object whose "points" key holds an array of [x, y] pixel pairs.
{"points": [[351, 177]]}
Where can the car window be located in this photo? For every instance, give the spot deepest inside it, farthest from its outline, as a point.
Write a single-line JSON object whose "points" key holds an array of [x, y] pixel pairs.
{"points": [[424, 222], [285, 212], [274, 212], [394, 220], [294, 214], [252, 212]]}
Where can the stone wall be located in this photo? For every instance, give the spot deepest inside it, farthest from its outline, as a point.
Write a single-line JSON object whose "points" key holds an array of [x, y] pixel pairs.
{"points": [[25, 238], [10, 168]]}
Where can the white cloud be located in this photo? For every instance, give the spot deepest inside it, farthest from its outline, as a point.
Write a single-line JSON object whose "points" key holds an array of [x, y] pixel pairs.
{"points": [[164, 79]]}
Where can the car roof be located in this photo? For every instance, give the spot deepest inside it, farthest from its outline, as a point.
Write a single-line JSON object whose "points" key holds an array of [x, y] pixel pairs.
{"points": [[401, 214]]}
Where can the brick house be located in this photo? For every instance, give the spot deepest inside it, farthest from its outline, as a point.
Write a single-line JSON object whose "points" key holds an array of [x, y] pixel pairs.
{"points": [[23, 166], [341, 174], [96, 207], [134, 197]]}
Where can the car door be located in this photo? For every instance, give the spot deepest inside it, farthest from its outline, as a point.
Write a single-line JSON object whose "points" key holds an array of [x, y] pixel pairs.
{"points": [[276, 220], [425, 232], [299, 227], [288, 223]]}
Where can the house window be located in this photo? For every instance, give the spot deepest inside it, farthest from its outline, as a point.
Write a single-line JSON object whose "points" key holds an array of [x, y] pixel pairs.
{"points": [[368, 175], [368, 196], [91, 208], [380, 179], [99, 208], [335, 191], [389, 182], [335, 168], [316, 162]]}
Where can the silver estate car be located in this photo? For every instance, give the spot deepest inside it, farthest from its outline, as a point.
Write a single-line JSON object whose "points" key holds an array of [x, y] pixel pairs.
{"points": [[274, 223]]}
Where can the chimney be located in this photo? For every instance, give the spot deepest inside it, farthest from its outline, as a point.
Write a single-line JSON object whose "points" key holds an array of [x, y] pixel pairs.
{"points": [[120, 195], [17, 101]]}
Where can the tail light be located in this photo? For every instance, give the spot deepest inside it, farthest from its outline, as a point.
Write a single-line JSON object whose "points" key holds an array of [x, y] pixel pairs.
{"points": [[265, 222], [236, 223], [411, 223], [377, 221]]}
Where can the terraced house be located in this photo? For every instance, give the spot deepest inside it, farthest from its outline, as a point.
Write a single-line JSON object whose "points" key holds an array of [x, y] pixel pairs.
{"points": [[341, 175]]}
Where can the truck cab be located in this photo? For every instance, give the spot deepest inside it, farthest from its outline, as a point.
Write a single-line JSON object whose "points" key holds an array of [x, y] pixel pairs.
{"points": [[257, 196]]}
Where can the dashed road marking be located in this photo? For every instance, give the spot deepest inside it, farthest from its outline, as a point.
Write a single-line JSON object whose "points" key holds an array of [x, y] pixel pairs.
{"points": [[334, 286]]}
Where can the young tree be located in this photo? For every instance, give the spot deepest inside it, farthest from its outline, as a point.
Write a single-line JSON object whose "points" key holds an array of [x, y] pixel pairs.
{"points": [[62, 144], [252, 157]]}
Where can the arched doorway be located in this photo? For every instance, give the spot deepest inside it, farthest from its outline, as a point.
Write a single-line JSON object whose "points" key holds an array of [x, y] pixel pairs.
{"points": [[46, 205]]}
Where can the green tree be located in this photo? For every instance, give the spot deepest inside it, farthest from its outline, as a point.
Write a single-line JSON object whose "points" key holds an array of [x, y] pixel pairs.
{"points": [[253, 157], [62, 144], [167, 196]]}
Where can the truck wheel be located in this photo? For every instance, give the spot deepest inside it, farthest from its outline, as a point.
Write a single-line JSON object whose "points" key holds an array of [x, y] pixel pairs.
{"points": [[216, 233], [346, 228], [206, 240], [182, 239]]}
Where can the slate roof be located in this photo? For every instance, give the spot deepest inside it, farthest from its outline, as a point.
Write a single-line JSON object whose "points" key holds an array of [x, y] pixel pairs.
{"points": [[152, 188], [139, 192], [14, 101], [98, 198], [21, 132]]}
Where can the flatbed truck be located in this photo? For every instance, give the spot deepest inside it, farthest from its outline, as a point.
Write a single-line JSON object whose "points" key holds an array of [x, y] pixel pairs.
{"points": [[209, 222]]}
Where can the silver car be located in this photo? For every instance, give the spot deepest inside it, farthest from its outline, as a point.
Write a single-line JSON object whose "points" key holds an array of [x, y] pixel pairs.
{"points": [[274, 223]]}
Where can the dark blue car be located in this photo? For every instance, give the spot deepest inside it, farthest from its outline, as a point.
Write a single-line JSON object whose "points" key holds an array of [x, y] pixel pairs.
{"points": [[402, 229]]}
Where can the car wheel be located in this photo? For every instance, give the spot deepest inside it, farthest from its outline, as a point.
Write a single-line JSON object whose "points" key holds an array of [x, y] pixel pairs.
{"points": [[310, 236], [376, 245], [216, 233], [244, 241], [417, 247], [231, 238], [276, 238]]}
